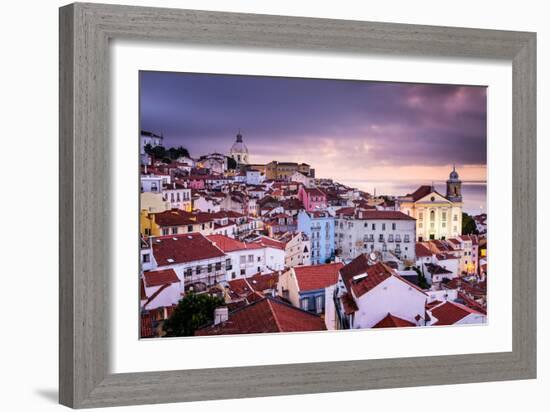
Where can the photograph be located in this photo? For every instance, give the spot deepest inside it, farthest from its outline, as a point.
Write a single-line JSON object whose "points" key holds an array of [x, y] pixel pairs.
{"points": [[280, 204]]}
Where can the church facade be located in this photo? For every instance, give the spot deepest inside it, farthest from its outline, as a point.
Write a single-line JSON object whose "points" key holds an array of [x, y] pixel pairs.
{"points": [[437, 216]]}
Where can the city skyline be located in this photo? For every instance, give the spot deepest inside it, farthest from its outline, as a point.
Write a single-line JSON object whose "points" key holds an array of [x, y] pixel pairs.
{"points": [[407, 131]]}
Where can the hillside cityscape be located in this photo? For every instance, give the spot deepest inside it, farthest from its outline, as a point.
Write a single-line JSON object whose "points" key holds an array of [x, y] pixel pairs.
{"points": [[230, 245]]}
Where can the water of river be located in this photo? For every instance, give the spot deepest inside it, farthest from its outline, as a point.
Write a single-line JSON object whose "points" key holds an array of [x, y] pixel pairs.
{"points": [[474, 194]]}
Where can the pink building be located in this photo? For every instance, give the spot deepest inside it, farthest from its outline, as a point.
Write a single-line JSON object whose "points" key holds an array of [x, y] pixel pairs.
{"points": [[312, 198], [196, 182]]}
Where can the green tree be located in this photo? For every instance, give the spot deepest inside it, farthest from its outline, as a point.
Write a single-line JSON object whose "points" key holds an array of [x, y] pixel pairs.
{"points": [[468, 225], [422, 281], [192, 312], [177, 152], [231, 163]]}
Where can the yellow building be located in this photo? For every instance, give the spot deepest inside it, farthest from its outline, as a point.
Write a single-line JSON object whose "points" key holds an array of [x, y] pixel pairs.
{"points": [[153, 202], [437, 216], [175, 222], [284, 170]]}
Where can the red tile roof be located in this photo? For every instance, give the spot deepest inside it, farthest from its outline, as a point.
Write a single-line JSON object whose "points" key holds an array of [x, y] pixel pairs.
{"points": [[268, 242], [266, 315], [391, 321], [348, 303], [317, 276], [226, 243], [183, 248], [146, 329], [449, 313], [422, 251], [376, 274], [383, 215], [314, 191], [160, 277], [260, 282], [421, 192], [173, 217]]}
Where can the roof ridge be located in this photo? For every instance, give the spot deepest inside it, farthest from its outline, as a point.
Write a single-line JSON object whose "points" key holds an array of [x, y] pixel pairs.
{"points": [[274, 313]]}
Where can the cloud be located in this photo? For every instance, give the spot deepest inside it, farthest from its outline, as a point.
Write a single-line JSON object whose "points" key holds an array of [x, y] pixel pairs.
{"points": [[339, 127]]}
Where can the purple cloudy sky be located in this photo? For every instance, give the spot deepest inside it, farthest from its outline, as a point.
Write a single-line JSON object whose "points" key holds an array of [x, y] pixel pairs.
{"points": [[349, 130]]}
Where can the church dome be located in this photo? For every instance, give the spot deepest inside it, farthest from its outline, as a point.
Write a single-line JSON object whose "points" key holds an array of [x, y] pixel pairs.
{"points": [[239, 151]]}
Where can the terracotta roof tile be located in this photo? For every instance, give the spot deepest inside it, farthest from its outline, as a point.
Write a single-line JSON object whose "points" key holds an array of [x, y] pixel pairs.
{"points": [[160, 277], [266, 315], [391, 321], [190, 247], [317, 276], [449, 313]]}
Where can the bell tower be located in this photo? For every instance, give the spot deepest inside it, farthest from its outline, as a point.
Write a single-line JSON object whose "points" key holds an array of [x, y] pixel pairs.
{"points": [[454, 187]]}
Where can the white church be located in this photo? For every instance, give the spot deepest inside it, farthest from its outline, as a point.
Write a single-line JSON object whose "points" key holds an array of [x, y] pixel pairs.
{"points": [[437, 216]]}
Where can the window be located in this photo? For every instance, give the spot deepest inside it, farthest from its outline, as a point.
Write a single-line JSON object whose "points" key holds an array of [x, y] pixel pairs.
{"points": [[383, 226], [165, 231], [218, 266], [146, 258], [242, 259], [228, 264], [421, 216], [455, 218], [189, 228], [147, 232], [174, 230], [188, 272], [209, 268], [432, 215], [384, 248], [393, 226], [259, 269], [444, 215], [250, 258], [172, 197], [304, 303], [242, 272], [233, 275], [374, 226], [198, 270], [390, 238], [406, 238], [319, 304]]}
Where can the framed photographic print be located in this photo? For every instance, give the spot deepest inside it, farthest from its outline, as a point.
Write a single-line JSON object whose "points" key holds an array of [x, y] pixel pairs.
{"points": [[340, 192]]}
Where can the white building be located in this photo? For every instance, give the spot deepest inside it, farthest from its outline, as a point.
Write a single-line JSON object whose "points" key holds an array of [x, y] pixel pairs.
{"points": [[303, 179], [161, 288], [373, 295], [247, 259], [453, 313], [149, 138], [178, 195], [365, 231], [153, 183], [194, 259], [253, 177], [297, 249], [206, 203], [437, 216]]}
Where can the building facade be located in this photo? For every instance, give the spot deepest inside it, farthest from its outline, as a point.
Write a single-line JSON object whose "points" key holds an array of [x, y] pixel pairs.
{"points": [[437, 216], [319, 228], [367, 231]]}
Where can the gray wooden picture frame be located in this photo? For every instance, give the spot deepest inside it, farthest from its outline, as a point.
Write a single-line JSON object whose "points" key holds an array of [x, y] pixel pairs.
{"points": [[85, 32]]}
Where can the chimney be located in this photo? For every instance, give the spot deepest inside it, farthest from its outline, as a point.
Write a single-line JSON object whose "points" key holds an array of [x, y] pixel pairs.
{"points": [[221, 314]]}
